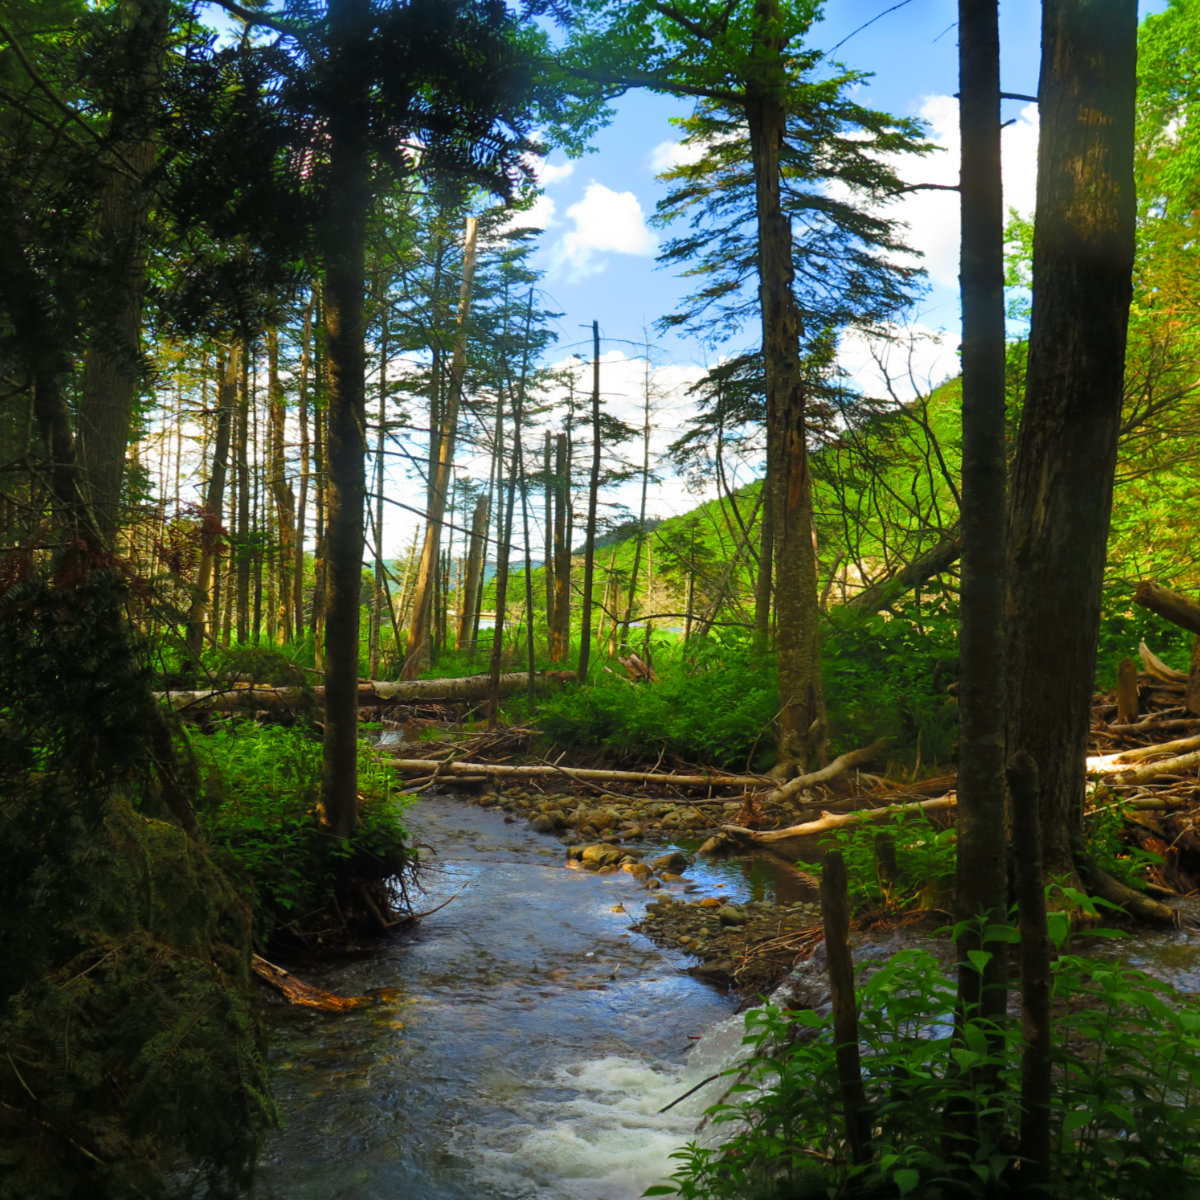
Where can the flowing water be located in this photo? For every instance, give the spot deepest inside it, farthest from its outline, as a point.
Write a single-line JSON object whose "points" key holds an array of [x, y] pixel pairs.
{"points": [[525, 1040]]}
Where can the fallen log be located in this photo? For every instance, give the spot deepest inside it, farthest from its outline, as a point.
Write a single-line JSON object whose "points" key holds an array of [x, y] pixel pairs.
{"points": [[1174, 606], [805, 841], [370, 693], [1120, 760], [1165, 766], [839, 766], [426, 766], [296, 991]]}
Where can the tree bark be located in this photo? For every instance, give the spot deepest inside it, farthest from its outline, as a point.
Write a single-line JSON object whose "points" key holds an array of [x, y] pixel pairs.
{"points": [[802, 727], [1066, 450], [470, 591], [560, 633], [1174, 606], [981, 881], [933, 562], [343, 238]]}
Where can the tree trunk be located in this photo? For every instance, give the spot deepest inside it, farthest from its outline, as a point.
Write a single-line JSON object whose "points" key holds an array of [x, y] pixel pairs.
{"points": [[1066, 451], [560, 634], [112, 369], [305, 469], [343, 238], [418, 632], [380, 436], [589, 551], [803, 733], [981, 887], [228, 370], [241, 540], [548, 518], [281, 489]]}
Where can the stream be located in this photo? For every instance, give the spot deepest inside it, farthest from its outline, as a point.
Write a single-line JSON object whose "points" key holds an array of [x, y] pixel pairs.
{"points": [[525, 1041], [526, 1038]]}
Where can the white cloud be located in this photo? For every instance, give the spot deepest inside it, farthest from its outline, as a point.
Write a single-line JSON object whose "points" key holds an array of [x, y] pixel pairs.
{"points": [[548, 174], [666, 156], [605, 222]]}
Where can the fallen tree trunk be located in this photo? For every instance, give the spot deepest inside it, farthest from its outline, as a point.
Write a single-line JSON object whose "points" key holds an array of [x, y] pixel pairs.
{"points": [[370, 693], [839, 766], [1166, 766], [1111, 763], [452, 768], [805, 841], [933, 562], [1175, 607], [296, 991]]}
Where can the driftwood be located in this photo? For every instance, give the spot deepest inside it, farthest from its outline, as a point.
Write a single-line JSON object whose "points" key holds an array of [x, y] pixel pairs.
{"points": [[296, 991], [1177, 608], [427, 766], [1165, 766], [805, 841], [839, 766], [370, 692]]}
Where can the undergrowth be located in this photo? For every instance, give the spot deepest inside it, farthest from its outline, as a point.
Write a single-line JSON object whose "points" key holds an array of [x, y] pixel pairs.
{"points": [[259, 791], [1126, 1082]]}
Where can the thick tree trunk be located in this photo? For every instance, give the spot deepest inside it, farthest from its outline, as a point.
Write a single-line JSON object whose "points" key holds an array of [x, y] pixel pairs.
{"points": [[439, 492], [803, 733], [548, 520], [241, 539], [112, 369], [228, 370], [1066, 451], [343, 238], [305, 470]]}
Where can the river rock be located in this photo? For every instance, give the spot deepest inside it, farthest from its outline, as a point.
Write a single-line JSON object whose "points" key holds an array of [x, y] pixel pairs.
{"points": [[728, 915], [675, 861], [601, 854], [543, 824]]}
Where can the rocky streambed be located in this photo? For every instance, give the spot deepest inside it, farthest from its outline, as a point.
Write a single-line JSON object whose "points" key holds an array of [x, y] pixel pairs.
{"points": [[748, 944]]}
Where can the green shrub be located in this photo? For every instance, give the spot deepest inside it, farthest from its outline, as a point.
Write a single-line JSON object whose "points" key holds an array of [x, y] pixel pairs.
{"points": [[1126, 1081], [260, 786]]}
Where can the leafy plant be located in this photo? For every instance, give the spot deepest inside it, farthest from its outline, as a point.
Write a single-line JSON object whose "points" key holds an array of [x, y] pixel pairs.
{"points": [[1126, 1074], [924, 858], [261, 784]]}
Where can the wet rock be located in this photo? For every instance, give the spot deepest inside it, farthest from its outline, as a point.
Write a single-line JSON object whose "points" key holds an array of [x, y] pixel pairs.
{"points": [[542, 824], [675, 861], [728, 915], [601, 854]]}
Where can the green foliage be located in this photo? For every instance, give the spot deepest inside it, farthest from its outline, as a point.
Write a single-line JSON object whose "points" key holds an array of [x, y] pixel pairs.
{"points": [[1126, 1072], [260, 786], [1104, 826], [925, 857], [713, 703], [888, 678]]}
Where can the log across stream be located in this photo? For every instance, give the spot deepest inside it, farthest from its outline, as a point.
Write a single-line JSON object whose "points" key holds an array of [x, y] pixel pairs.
{"points": [[524, 1041]]}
